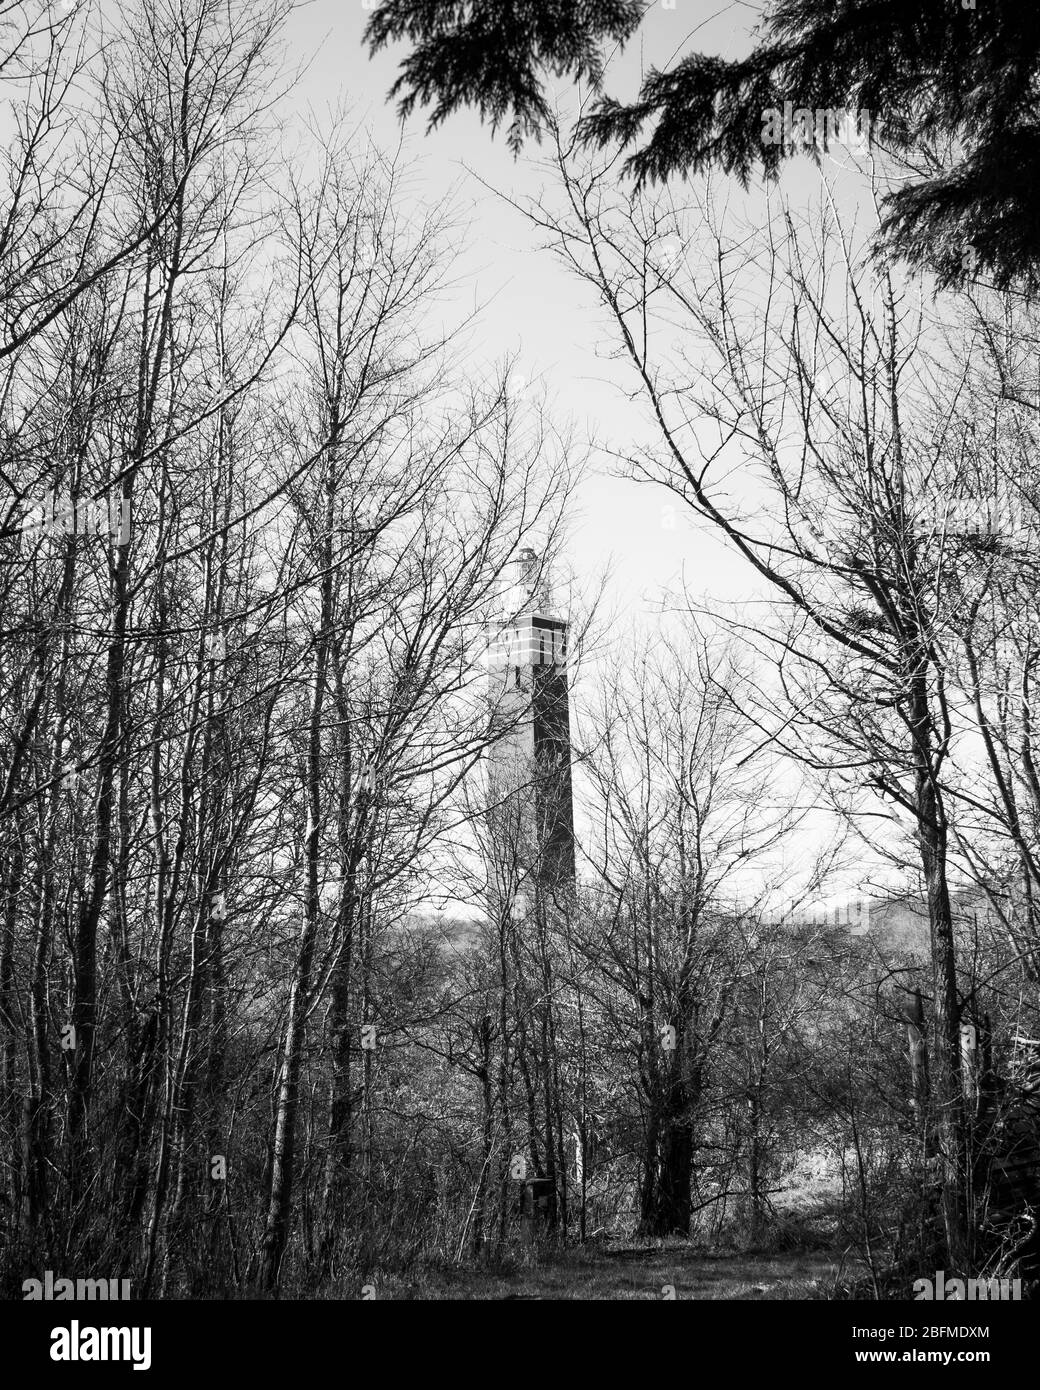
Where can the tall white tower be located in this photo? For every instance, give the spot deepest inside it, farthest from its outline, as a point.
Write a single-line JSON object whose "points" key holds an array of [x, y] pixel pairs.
{"points": [[531, 759]]}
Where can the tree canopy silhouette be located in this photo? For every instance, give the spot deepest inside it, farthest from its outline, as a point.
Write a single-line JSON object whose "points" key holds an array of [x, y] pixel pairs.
{"points": [[954, 89]]}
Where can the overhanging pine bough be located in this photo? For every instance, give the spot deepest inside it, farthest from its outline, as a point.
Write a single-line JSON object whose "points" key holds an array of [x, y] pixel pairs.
{"points": [[956, 89]]}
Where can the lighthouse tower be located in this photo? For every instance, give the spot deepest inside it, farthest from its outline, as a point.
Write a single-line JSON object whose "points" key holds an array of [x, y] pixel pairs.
{"points": [[530, 761]]}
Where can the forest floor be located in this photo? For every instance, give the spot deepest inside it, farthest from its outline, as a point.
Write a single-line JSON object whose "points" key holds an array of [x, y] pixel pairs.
{"points": [[638, 1272]]}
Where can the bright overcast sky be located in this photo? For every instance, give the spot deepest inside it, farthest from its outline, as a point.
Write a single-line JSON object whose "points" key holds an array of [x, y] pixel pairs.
{"points": [[534, 309]]}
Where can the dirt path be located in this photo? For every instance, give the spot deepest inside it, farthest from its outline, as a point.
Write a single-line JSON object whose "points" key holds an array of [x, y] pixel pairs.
{"points": [[637, 1272]]}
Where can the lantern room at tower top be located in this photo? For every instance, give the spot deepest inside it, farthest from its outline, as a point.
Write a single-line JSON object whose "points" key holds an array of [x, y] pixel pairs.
{"points": [[529, 633]]}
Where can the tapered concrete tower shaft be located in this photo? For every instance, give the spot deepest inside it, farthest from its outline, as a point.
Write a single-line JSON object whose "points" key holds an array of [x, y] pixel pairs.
{"points": [[531, 760]]}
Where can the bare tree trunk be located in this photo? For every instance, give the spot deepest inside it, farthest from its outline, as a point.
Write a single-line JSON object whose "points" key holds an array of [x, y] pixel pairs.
{"points": [[279, 1210], [10, 1101], [945, 1070]]}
